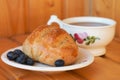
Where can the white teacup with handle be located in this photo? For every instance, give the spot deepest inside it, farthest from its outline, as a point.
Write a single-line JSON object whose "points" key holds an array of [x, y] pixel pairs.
{"points": [[93, 38]]}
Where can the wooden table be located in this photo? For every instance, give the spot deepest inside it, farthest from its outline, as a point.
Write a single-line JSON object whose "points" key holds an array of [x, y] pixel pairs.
{"points": [[103, 68]]}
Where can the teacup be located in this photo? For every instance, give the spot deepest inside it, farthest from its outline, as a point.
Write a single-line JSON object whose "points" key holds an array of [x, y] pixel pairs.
{"points": [[90, 33]]}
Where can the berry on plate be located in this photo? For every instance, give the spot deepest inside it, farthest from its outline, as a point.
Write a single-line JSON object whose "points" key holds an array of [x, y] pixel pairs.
{"points": [[11, 55], [59, 63]]}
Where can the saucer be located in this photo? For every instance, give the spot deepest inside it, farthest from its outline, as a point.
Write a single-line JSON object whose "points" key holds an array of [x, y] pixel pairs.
{"points": [[85, 58]]}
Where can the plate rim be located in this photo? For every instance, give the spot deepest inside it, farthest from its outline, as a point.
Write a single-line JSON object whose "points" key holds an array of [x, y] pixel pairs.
{"points": [[44, 69]]}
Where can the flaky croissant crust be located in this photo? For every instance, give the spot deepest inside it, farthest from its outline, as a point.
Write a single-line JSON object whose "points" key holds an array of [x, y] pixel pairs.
{"points": [[49, 43]]}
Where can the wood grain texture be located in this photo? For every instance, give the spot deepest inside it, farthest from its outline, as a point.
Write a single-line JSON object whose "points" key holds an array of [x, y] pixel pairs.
{"points": [[16, 10], [117, 17], [50, 76], [101, 69], [103, 8], [5, 27], [2, 77], [73, 8], [12, 19], [20, 39], [113, 51], [4, 70], [108, 9], [23, 16], [5, 44], [40, 10]]}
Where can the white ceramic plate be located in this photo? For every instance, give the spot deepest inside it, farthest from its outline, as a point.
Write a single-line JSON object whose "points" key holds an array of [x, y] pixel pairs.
{"points": [[84, 59]]}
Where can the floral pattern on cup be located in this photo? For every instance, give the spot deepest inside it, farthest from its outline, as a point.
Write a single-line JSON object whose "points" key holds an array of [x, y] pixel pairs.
{"points": [[84, 37]]}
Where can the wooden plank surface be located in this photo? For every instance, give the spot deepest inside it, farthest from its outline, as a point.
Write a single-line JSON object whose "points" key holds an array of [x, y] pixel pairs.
{"points": [[20, 39], [50, 76], [113, 51], [23, 16], [2, 77], [5, 28], [117, 18], [11, 17], [103, 8], [108, 9], [16, 11], [39, 12], [101, 69], [73, 8], [5, 44]]}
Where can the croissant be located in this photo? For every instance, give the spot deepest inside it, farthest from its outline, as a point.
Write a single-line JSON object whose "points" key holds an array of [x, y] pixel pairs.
{"points": [[49, 43]]}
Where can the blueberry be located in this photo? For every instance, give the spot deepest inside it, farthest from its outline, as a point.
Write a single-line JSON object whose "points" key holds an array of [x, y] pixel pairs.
{"points": [[59, 63], [18, 52], [11, 55], [21, 59], [29, 61]]}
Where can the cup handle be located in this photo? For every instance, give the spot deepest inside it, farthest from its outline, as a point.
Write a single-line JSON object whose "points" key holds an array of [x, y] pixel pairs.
{"points": [[54, 18]]}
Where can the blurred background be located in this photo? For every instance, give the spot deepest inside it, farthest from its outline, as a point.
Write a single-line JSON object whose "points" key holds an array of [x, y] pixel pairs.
{"points": [[23, 16]]}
